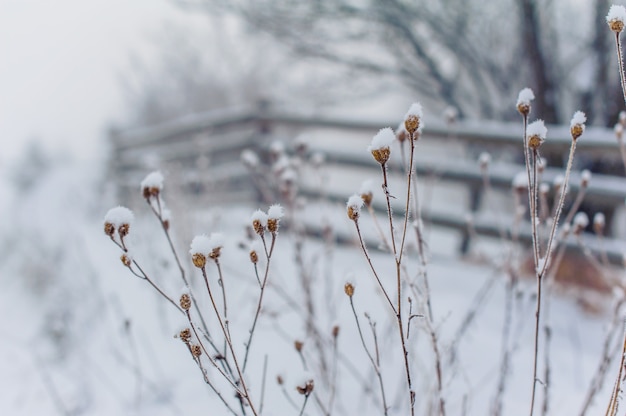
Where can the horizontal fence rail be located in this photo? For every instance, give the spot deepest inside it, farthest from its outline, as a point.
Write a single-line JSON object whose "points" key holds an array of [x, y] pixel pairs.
{"points": [[223, 134]]}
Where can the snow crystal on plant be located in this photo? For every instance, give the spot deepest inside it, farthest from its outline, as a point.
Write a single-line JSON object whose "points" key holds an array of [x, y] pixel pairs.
{"points": [[585, 176], [616, 13], [260, 216], [216, 240], [599, 219], [484, 159], [249, 158], [275, 212], [578, 118], [355, 202], [525, 97], [201, 244], [382, 139], [118, 216], [581, 220], [153, 180], [520, 180], [367, 187], [537, 128], [414, 110]]}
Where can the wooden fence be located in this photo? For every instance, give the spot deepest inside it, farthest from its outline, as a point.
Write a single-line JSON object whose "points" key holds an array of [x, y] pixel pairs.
{"points": [[209, 146]]}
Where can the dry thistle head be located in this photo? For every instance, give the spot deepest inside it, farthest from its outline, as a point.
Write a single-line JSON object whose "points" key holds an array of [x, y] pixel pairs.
{"points": [[354, 205], [380, 146], [524, 98], [616, 18], [200, 246], [297, 344], [109, 229], [349, 289], [577, 125], [166, 216], [484, 160], [335, 331], [196, 350], [413, 119], [585, 178], [126, 260], [306, 385], [536, 134], [280, 380], [599, 222], [216, 241], [274, 214], [185, 301], [581, 221], [520, 182], [259, 221], [152, 185], [367, 192], [401, 133], [185, 335]]}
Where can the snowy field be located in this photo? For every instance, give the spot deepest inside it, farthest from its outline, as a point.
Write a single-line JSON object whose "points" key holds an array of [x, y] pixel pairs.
{"points": [[82, 336]]}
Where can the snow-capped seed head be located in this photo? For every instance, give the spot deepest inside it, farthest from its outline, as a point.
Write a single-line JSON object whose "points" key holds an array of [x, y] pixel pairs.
{"points": [[581, 221], [484, 160], [413, 118], [249, 158], [401, 133], [306, 384], [367, 192], [577, 125], [622, 117], [118, 218], [185, 301], [216, 242], [450, 114], [335, 330], [196, 350], [298, 345], [524, 98], [166, 216], [616, 18], [354, 205], [259, 221], [317, 159], [585, 178], [274, 214], [520, 182], [152, 185], [619, 131], [126, 259], [544, 188], [348, 288], [200, 247], [535, 134], [558, 182], [599, 222], [379, 148]]}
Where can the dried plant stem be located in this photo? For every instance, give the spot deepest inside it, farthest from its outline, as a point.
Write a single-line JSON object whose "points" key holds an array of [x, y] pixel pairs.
{"points": [[610, 349], [615, 396], [306, 399], [389, 211], [547, 372], [375, 363], [210, 384], [226, 332], [268, 254], [620, 61], [622, 149]]}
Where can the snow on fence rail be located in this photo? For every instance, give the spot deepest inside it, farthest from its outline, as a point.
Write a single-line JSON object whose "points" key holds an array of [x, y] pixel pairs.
{"points": [[218, 137]]}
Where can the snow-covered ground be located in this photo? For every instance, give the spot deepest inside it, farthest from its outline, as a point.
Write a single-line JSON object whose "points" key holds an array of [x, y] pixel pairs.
{"points": [[81, 335]]}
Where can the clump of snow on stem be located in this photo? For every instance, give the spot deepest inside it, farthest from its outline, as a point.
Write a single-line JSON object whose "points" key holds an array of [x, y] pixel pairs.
{"points": [[579, 118], [520, 180], [367, 187], [154, 180], [249, 158], [201, 244], [585, 176], [525, 96], [484, 160], [599, 220], [382, 140], [259, 216], [581, 220], [537, 128], [415, 110], [617, 13], [558, 181], [275, 212], [355, 202], [118, 216], [216, 240]]}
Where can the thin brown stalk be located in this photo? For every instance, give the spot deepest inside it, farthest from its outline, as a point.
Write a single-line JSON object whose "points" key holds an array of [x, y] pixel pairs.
{"points": [[620, 61], [375, 363], [615, 396]]}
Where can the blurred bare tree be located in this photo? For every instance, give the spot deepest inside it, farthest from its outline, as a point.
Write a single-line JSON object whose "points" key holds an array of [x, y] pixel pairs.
{"points": [[470, 54]]}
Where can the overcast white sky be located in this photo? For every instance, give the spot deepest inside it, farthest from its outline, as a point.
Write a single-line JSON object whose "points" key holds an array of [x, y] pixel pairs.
{"points": [[60, 63]]}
